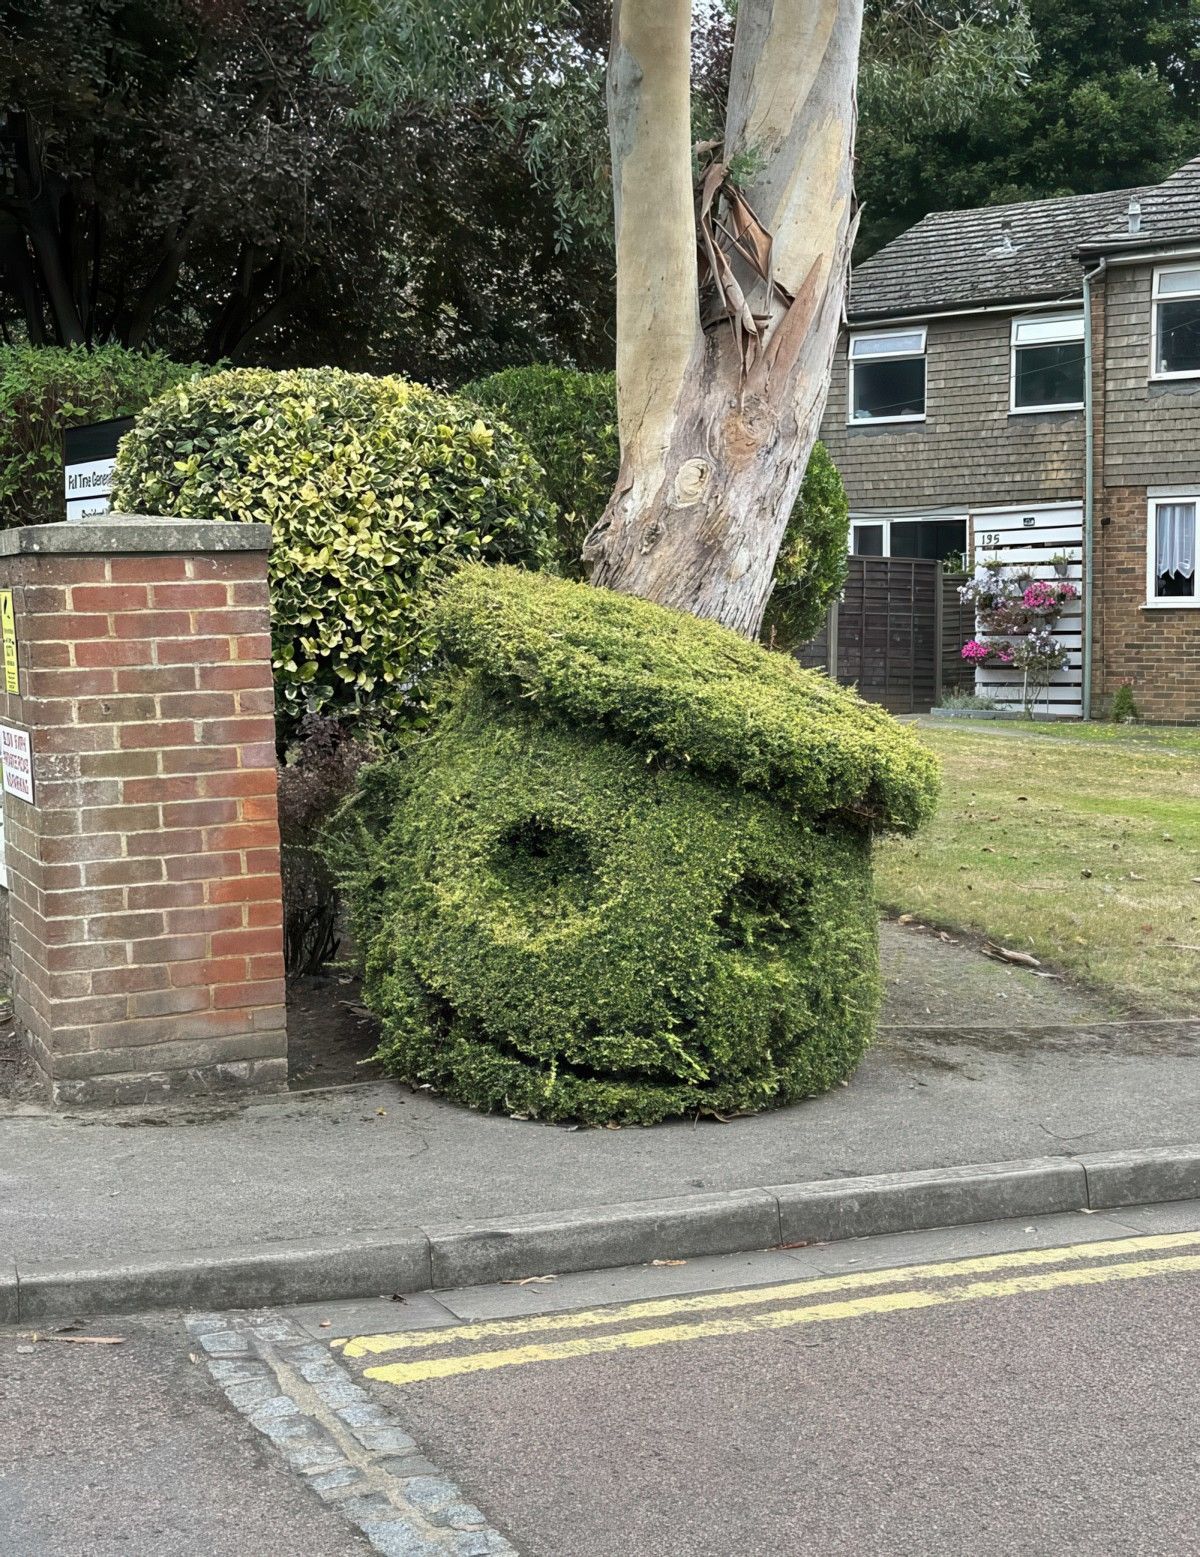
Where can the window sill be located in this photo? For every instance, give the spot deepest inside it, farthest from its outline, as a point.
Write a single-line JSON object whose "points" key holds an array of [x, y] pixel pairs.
{"points": [[1178, 603], [1044, 410], [886, 421], [1175, 378]]}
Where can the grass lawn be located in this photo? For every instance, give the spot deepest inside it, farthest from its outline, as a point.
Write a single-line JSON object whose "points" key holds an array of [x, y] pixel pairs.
{"points": [[1080, 844]]}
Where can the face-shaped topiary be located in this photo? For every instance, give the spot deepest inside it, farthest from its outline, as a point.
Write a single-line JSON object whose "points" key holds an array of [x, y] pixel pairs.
{"points": [[562, 922]]}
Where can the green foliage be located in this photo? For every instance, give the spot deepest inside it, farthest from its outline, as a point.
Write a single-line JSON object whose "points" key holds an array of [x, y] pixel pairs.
{"points": [[44, 390], [685, 692], [374, 488], [570, 422], [1123, 709], [814, 558], [627, 874], [1111, 100]]}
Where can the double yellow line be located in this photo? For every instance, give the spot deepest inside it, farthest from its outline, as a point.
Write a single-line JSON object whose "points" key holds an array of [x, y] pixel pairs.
{"points": [[1077, 1266]]}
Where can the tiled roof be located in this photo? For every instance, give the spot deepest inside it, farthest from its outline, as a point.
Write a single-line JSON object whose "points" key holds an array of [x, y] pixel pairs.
{"points": [[1170, 212], [1027, 252]]}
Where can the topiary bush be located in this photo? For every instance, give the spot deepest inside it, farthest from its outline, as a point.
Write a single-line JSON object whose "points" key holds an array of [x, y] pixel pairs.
{"points": [[44, 389], [570, 422], [627, 874], [374, 488]]}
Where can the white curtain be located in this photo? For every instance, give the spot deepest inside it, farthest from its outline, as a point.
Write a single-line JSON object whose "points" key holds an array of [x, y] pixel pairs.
{"points": [[1176, 550]]}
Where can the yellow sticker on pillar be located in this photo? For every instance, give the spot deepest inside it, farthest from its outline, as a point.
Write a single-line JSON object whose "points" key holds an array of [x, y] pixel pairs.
{"points": [[8, 622]]}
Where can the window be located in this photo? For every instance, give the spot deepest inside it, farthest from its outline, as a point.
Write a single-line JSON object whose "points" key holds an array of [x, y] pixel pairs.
{"points": [[887, 376], [1177, 322], [934, 539], [1047, 362], [1171, 561]]}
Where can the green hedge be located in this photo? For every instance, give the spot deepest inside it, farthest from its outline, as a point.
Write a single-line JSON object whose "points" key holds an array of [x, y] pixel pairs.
{"points": [[627, 876], [570, 422], [374, 488], [46, 389]]}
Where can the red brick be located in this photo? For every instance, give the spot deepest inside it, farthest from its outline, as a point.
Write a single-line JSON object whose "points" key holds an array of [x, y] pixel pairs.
{"points": [[148, 570], [170, 1002], [151, 624], [244, 889], [64, 628], [200, 759], [267, 993], [190, 596], [269, 911], [173, 948], [128, 981], [124, 927], [109, 651], [119, 764], [198, 866], [235, 676], [251, 592], [176, 840], [220, 970], [199, 813], [242, 835], [236, 732], [102, 873], [204, 919], [247, 943], [157, 788], [233, 622], [119, 818], [108, 597], [72, 570], [176, 732], [69, 682], [245, 781], [157, 678], [192, 651], [260, 808], [197, 705], [165, 894]]}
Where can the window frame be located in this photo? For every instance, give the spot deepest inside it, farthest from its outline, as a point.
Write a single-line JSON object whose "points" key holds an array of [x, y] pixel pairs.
{"points": [[894, 333], [1157, 375], [1071, 316], [1156, 602]]}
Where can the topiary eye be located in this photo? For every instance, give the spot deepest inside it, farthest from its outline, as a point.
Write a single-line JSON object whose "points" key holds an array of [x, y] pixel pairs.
{"points": [[757, 913], [543, 859]]}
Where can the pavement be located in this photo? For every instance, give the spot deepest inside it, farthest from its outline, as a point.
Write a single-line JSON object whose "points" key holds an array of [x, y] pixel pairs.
{"points": [[977, 1063], [1019, 1386]]}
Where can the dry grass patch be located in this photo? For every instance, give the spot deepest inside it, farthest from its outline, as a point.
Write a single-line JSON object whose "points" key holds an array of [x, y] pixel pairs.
{"points": [[1081, 848]]}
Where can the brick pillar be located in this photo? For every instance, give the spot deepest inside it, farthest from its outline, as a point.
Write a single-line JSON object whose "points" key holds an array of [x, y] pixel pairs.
{"points": [[147, 940]]}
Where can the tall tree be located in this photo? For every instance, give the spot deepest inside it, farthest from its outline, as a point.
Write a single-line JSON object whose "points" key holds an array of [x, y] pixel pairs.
{"points": [[722, 365]]}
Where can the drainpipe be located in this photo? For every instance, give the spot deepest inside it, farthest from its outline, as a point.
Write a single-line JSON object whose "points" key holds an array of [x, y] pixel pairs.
{"points": [[1089, 484]]}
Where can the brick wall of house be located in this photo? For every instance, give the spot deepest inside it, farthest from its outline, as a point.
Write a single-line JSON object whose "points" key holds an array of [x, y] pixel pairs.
{"points": [[1157, 649], [144, 879]]}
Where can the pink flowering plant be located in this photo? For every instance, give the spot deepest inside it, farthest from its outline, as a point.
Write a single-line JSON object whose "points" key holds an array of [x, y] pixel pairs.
{"points": [[1011, 604]]}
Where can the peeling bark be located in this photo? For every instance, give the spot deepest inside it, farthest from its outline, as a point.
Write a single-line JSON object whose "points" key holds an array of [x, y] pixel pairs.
{"points": [[713, 451]]}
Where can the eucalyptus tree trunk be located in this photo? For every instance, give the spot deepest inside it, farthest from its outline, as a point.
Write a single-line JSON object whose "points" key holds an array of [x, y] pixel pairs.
{"points": [[729, 297]]}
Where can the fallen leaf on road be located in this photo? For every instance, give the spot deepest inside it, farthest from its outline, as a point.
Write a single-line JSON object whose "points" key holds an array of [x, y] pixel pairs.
{"points": [[906, 919], [325, 1324], [525, 1281]]}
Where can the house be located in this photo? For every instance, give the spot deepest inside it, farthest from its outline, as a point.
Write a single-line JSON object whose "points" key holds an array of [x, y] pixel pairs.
{"points": [[1023, 381]]}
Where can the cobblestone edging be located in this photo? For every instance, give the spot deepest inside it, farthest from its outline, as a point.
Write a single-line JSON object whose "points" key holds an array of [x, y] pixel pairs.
{"points": [[351, 1451]]}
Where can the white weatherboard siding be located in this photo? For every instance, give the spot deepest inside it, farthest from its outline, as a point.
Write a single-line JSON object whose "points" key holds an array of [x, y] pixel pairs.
{"points": [[1028, 538]]}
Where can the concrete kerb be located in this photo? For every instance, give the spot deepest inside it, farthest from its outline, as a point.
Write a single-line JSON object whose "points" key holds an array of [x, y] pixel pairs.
{"points": [[443, 1255]]}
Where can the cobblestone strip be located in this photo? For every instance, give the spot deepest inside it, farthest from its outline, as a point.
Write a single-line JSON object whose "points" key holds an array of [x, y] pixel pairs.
{"points": [[350, 1450]]}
